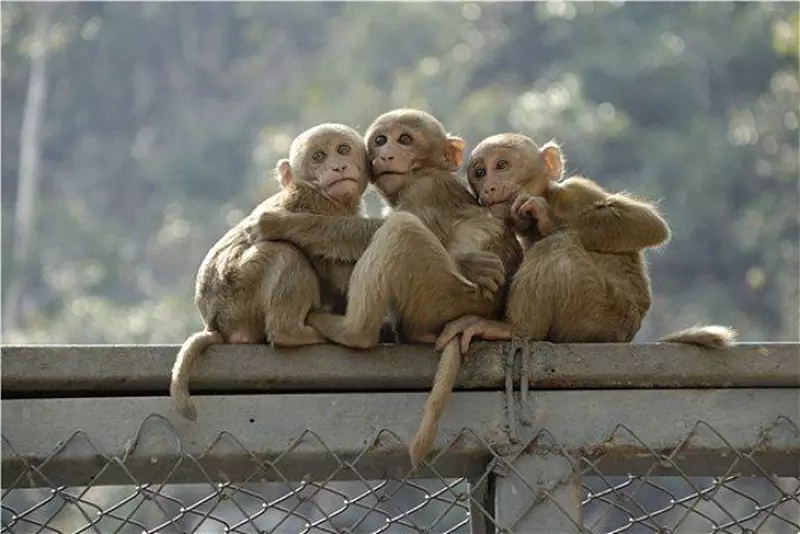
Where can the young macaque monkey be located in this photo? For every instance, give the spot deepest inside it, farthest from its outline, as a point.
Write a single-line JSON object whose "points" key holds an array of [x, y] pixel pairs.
{"points": [[584, 277], [252, 293], [437, 257]]}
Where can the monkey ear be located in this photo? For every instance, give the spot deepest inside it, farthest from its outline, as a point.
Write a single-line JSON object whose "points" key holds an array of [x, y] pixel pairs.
{"points": [[283, 170], [553, 160], [454, 152]]}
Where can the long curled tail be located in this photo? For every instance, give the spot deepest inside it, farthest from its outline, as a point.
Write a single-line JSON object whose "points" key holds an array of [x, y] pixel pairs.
{"points": [[443, 383], [713, 336], [179, 385]]}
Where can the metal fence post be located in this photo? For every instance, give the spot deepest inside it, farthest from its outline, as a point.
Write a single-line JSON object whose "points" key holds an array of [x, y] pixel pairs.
{"points": [[538, 494]]}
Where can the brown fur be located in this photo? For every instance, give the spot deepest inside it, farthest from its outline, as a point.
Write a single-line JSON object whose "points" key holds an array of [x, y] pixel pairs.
{"points": [[438, 256], [584, 277], [264, 291]]}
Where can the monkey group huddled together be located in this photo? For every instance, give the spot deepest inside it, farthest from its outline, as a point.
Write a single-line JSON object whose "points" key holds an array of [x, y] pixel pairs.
{"points": [[515, 249]]}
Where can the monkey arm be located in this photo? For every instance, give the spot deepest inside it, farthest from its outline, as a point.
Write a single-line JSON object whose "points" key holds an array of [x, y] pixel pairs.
{"points": [[620, 224], [485, 269], [487, 262], [339, 238]]}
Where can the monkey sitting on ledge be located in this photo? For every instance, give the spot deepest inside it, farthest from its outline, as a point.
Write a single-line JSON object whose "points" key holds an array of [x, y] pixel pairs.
{"points": [[584, 277], [438, 256], [252, 293]]}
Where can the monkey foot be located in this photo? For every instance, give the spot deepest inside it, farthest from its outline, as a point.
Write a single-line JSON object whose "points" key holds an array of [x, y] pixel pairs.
{"points": [[335, 328], [243, 337], [422, 338], [471, 326], [304, 335]]}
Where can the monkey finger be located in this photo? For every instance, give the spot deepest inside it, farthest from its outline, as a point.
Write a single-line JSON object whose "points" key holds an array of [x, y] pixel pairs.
{"points": [[450, 331], [252, 231], [490, 284], [519, 201], [530, 208], [426, 338], [467, 282], [466, 338]]}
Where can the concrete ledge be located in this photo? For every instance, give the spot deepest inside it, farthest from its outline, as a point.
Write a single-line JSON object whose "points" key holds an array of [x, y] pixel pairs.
{"points": [[36, 371], [705, 432]]}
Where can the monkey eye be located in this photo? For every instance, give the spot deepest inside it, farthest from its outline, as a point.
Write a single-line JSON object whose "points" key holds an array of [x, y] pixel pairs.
{"points": [[343, 149], [380, 140], [502, 164], [404, 139], [480, 172], [318, 156]]}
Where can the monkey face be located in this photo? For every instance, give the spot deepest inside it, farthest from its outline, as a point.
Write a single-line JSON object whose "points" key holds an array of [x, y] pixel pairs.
{"points": [[393, 152], [330, 157], [505, 165], [338, 165], [406, 140], [494, 175]]}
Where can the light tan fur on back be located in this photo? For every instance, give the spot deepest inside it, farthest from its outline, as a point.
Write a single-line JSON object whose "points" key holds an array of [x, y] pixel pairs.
{"points": [[584, 277], [253, 292]]}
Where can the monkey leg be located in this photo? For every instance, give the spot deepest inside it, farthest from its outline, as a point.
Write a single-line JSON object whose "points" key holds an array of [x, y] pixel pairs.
{"points": [[405, 264], [559, 294], [304, 335], [289, 291]]}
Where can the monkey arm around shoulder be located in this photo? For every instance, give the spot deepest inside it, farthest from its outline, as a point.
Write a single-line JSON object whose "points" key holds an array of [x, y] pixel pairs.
{"points": [[339, 238]]}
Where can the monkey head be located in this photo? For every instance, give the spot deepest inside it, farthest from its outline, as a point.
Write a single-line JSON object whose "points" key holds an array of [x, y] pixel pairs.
{"points": [[402, 141], [503, 166], [329, 157]]}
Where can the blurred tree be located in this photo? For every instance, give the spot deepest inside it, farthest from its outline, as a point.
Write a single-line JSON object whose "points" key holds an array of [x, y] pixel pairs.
{"points": [[29, 165], [163, 122]]}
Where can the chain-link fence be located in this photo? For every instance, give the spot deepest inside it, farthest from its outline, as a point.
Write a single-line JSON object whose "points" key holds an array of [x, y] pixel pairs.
{"points": [[570, 461]]}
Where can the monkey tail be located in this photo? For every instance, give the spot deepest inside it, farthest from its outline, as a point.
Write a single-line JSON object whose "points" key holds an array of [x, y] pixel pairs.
{"points": [[179, 385], [443, 383], [713, 336]]}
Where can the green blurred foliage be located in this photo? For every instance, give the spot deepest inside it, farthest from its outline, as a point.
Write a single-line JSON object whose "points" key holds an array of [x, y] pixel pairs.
{"points": [[164, 120]]}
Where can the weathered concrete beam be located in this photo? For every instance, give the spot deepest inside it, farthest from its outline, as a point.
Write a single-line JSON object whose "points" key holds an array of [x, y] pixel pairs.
{"points": [[35, 371], [704, 432]]}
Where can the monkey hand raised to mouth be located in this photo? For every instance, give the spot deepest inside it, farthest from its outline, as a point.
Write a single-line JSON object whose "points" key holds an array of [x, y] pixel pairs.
{"points": [[584, 278]]}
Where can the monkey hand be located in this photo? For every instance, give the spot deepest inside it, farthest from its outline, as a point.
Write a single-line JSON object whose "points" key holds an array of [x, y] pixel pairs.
{"points": [[264, 226], [471, 326], [529, 207], [485, 270]]}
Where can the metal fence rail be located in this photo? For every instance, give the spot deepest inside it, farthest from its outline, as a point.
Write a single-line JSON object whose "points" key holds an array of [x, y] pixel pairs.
{"points": [[668, 439]]}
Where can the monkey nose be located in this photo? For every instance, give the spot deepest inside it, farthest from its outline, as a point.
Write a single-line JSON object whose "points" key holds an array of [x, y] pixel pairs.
{"points": [[387, 158]]}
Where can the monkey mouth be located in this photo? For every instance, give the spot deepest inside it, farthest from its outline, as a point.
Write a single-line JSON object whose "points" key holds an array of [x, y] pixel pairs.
{"points": [[389, 173], [490, 204], [377, 177], [342, 179]]}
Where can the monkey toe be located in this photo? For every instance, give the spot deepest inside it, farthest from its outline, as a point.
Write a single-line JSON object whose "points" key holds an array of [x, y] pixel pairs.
{"points": [[304, 335], [334, 328], [251, 231], [452, 329], [242, 338], [423, 338]]}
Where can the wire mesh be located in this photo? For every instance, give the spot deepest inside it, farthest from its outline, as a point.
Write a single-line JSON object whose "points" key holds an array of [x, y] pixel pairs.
{"points": [[659, 495]]}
